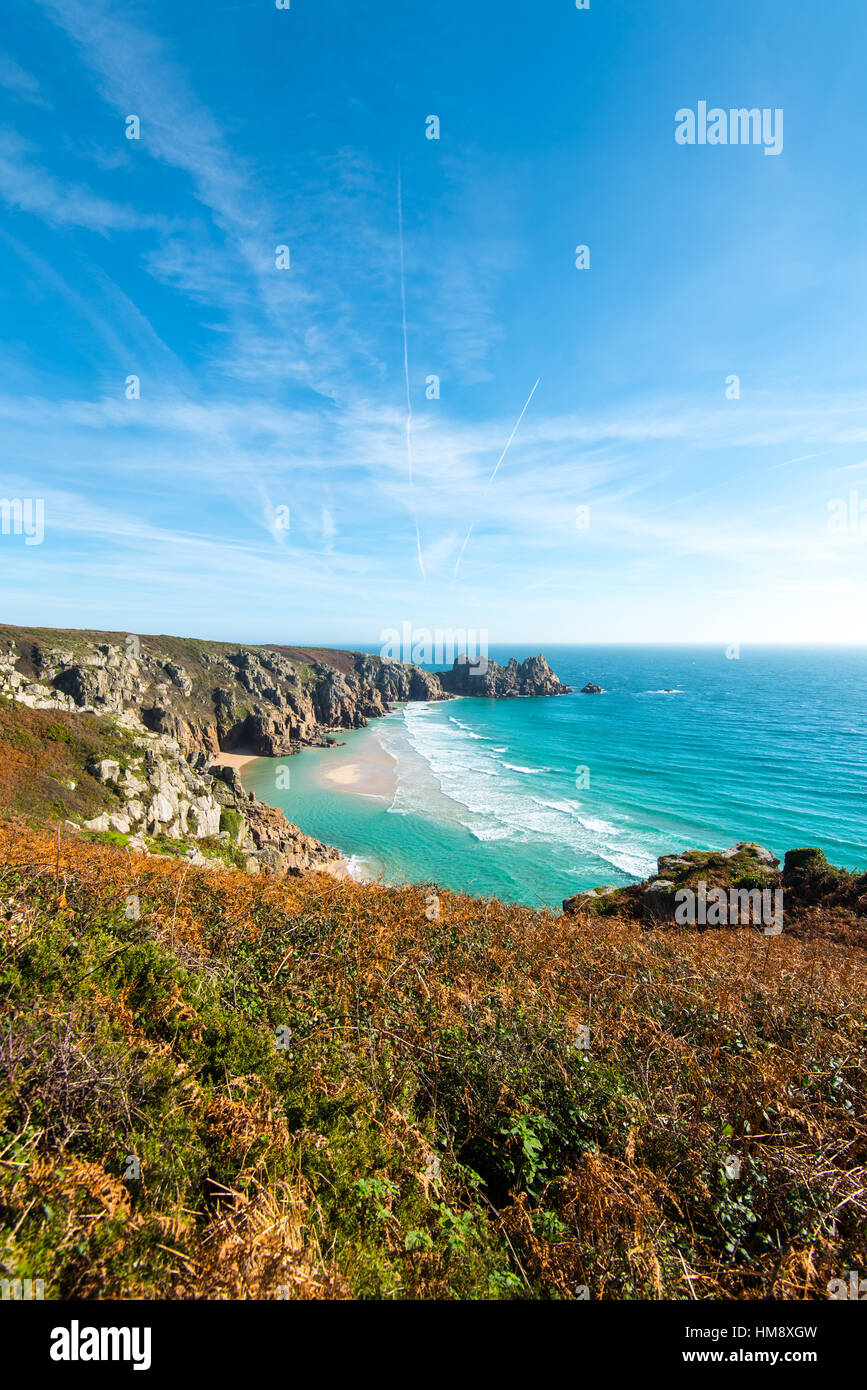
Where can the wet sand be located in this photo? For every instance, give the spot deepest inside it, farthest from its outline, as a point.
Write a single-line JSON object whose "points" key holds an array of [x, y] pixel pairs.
{"points": [[370, 774], [365, 771], [341, 869]]}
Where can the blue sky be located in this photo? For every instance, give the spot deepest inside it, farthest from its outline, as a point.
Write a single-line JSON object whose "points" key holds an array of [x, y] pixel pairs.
{"points": [[263, 389]]}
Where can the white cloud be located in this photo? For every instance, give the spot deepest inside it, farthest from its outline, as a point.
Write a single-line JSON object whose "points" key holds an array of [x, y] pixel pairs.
{"points": [[20, 83]]}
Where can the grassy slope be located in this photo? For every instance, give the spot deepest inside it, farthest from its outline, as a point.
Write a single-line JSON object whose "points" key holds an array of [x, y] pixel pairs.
{"points": [[43, 752], [310, 1168]]}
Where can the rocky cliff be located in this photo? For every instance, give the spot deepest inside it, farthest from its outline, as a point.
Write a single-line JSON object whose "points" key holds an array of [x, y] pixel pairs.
{"points": [[158, 712], [105, 777], [531, 677], [157, 799], [212, 696]]}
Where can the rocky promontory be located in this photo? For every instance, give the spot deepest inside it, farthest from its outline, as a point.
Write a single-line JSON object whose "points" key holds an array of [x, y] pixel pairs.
{"points": [[212, 697], [491, 681], [486, 679], [159, 712], [736, 887]]}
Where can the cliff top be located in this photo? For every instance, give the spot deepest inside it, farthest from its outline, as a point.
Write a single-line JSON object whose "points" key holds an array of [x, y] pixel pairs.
{"points": [[214, 696]]}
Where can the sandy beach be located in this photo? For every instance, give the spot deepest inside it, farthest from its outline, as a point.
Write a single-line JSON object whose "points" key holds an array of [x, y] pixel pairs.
{"points": [[365, 771], [239, 758], [342, 868]]}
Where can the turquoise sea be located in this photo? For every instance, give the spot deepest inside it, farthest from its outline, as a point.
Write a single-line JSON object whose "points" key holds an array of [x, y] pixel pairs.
{"points": [[531, 800]]}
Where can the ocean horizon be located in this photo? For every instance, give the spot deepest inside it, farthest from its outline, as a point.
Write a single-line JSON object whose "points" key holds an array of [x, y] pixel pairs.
{"points": [[531, 800]]}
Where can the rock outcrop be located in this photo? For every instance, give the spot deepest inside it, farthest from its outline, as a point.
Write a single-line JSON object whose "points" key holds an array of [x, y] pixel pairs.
{"points": [[280, 847], [572, 905], [486, 679], [737, 888], [158, 796], [209, 697], [745, 866], [591, 689], [183, 702]]}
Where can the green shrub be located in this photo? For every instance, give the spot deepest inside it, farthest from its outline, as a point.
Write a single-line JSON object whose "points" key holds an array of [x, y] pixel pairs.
{"points": [[230, 822], [59, 733]]}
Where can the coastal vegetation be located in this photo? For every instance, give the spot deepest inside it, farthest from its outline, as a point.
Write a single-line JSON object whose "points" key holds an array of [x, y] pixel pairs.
{"points": [[213, 1085], [223, 1084], [213, 696]]}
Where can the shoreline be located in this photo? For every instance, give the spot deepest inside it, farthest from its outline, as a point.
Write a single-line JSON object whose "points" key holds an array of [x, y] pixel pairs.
{"points": [[368, 771], [339, 869], [342, 869], [365, 771], [237, 759], [371, 844]]}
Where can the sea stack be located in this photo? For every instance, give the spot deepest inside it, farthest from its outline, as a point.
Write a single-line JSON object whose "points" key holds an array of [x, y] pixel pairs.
{"points": [[490, 681]]}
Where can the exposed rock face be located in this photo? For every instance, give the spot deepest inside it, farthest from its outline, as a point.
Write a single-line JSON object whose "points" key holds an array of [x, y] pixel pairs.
{"points": [[673, 865], [658, 899], [591, 689], [579, 900], [207, 696], [750, 847], [745, 866], [186, 701], [336, 703], [397, 681], [283, 848], [485, 678], [162, 794], [106, 770]]}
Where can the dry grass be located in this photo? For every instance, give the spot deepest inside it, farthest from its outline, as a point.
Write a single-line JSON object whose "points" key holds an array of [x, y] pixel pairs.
{"points": [[309, 1170]]}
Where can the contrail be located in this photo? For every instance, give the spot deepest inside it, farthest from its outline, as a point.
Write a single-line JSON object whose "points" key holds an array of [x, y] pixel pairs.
{"points": [[406, 373], [494, 474]]}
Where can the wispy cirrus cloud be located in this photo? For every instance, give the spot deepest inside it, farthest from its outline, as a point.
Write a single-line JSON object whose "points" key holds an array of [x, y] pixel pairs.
{"points": [[24, 185], [263, 389], [21, 83]]}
